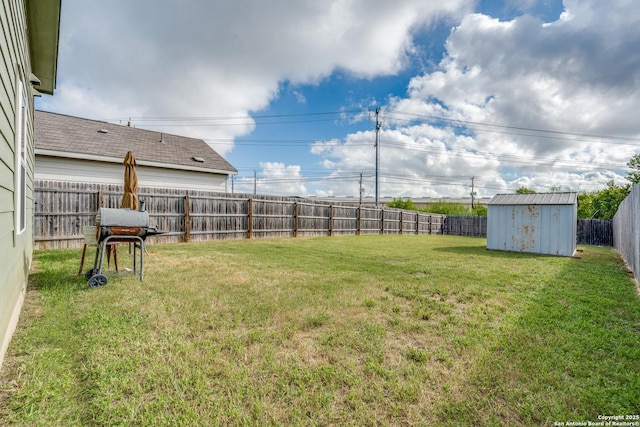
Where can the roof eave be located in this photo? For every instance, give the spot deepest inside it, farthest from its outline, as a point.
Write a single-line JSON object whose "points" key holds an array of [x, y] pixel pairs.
{"points": [[43, 27], [96, 158]]}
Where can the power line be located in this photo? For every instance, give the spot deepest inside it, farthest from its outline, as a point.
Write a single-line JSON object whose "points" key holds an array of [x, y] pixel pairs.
{"points": [[539, 130], [247, 123], [182, 118], [503, 158], [400, 116], [506, 158], [345, 114]]}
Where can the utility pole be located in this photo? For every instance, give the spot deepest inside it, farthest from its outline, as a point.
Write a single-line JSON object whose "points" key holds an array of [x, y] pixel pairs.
{"points": [[360, 189], [473, 193], [378, 125]]}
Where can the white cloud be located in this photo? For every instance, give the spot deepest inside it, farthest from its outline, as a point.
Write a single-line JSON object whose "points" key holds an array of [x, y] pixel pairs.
{"points": [[578, 76], [202, 59], [274, 178], [415, 161]]}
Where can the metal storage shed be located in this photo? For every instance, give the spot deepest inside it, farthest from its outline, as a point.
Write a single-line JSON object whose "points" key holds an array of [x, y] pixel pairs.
{"points": [[543, 223]]}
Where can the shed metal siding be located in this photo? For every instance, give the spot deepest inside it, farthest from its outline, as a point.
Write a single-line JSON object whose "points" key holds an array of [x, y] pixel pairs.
{"points": [[539, 226]]}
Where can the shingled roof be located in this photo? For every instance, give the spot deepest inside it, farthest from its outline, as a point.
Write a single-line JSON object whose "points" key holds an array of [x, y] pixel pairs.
{"points": [[83, 138]]}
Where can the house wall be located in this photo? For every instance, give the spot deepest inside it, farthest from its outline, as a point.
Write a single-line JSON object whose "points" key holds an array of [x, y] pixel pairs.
{"points": [[77, 170], [543, 229], [16, 247]]}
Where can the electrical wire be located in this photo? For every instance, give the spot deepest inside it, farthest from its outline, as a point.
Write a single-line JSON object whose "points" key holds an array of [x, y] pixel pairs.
{"points": [[345, 114], [537, 130], [398, 116]]}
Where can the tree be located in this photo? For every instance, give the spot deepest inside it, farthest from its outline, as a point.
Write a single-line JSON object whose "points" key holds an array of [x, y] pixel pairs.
{"points": [[634, 175], [585, 205], [402, 204], [480, 210], [448, 208], [606, 202], [525, 190], [602, 204]]}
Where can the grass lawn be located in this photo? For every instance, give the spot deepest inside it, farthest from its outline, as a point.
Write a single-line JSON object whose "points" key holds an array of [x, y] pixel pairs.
{"points": [[370, 330]]}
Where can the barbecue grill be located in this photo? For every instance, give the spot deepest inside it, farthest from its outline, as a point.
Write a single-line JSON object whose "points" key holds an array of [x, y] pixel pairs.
{"points": [[119, 225]]}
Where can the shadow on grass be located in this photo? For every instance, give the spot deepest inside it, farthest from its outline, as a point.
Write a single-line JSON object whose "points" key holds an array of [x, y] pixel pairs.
{"points": [[568, 351], [481, 250], [50, 271]]}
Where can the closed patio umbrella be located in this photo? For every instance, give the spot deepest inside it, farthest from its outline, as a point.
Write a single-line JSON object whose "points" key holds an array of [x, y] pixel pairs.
{"points": [[130, 196]]}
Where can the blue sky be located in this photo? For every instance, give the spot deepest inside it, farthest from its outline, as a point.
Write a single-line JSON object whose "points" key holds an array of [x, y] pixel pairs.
{"points": [[513, 93]]}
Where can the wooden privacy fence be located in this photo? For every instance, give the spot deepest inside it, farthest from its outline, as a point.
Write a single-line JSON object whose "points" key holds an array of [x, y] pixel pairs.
{"points": [[62, 209], [588, 231], [626, 230], [597, 232], [475, 226]]}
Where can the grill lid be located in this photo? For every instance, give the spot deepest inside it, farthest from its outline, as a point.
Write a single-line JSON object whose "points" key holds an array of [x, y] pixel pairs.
{"points": [[109, 217]]}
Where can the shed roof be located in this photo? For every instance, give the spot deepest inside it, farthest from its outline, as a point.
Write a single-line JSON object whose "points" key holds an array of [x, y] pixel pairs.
{"points": [[83, 138], [535, 199]]}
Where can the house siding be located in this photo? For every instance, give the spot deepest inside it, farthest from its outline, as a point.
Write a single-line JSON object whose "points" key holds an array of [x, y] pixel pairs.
{"points": [[15, 248], [77, 170]]}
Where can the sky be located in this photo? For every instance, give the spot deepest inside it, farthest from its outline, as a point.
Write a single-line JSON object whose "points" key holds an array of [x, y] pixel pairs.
{"points": [[503, 94]]}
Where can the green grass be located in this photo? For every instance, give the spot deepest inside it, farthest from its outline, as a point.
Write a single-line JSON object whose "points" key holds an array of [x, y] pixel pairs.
{"points": [[370, 330]]}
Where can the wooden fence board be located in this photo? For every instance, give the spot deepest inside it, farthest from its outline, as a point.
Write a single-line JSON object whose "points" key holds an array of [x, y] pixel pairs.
{"points": [[62, 209], [595, 232], [589, 231], [473, 226]]}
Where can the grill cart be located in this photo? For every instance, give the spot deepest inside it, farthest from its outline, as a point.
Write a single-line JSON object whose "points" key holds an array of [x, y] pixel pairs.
{"points": [[119, 225]]}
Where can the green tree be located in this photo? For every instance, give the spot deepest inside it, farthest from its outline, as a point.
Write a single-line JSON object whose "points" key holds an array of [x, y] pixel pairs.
{"points": [[606, 202], [448, 208], [525, 190], [585, 205], [602, 204], [402, 204], [480, 210], [634, 175]]}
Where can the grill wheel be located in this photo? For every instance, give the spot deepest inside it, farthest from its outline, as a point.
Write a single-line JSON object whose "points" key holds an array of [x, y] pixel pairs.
{"points": [[90, 273], [97, 280]]}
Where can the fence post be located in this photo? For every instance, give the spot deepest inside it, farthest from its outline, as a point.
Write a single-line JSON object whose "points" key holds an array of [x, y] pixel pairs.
{"points": [[359, 215], [381, 220], [250, 218], [417, 222], [401, 222], [187, 219], [295, 218], [100, 200], [330, 220]]}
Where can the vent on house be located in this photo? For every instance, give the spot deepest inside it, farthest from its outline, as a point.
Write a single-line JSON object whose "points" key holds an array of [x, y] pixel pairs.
{"points": [[103, 131], [162, 138], [197, 159]]}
